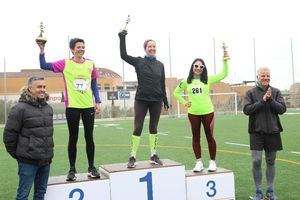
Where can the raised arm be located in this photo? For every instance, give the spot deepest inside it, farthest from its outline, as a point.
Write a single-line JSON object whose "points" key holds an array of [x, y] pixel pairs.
{"points": [[218, 77], [129, 59], [43, 64], [57, 66]]}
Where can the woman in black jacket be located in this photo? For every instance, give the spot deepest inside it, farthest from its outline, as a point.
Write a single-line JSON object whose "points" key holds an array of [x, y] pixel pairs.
{"points": [[150, 94]]}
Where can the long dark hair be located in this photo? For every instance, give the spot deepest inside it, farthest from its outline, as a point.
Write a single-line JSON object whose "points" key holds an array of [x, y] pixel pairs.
{"points": [[203, 76]]}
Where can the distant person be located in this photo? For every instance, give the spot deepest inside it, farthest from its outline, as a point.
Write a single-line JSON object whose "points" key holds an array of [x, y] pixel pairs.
{"points": [[80, 78], [150, 94], [28, 138], [200, 107], [263, 104]]}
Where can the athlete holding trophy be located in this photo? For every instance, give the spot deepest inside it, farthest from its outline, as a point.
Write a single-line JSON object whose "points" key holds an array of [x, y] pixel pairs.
{"points": [[150, 95], [82, 98]]}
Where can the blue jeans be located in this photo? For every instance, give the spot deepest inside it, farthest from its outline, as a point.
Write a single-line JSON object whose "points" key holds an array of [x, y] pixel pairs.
{"points": [[32, 173]]}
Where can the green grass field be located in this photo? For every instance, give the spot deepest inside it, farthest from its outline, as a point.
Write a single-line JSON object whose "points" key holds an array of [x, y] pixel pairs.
{"points": [[112, 139]]}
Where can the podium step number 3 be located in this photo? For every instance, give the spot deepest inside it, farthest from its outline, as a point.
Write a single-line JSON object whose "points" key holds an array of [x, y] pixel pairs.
{"points": [[207, 186]]}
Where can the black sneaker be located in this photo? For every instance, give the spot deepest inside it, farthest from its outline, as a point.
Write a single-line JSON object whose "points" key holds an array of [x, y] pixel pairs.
{"points": [[270, 195], [131, 162], [93, 173], [155, 160], [71, 175]]}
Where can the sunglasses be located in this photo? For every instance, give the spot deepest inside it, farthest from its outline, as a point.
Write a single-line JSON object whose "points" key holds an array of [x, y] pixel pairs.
{"points": [[201, 66]]}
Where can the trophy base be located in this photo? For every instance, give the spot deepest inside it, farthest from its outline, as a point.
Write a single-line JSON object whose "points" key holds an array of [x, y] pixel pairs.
{"points": [[41, 40]]}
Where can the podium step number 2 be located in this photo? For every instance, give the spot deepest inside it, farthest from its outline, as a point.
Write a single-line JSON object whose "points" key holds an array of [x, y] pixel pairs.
{"points": [[83, 188]]}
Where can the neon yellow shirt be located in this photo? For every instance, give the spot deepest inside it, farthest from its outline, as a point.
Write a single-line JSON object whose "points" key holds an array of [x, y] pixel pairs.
{"points": [[78, 83], [198, 92]]}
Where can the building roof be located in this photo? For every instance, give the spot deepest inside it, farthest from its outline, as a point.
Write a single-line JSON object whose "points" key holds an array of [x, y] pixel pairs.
{"points": [[107, 73]]}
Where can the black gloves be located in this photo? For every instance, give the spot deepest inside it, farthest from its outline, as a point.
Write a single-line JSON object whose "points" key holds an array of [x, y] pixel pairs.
{"points": [[166, 104], [122, 33]]}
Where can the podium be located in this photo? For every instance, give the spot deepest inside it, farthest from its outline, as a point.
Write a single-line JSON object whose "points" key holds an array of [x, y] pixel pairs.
{"points": [[145, 182], [81, 189], [210, 185]]}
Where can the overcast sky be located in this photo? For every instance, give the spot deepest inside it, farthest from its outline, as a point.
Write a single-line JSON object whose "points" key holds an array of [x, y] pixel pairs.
{"points": [[191, 26]]}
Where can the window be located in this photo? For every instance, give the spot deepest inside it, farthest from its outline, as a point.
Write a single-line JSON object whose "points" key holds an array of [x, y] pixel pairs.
{"points": [[119, 87], [106, 87]]}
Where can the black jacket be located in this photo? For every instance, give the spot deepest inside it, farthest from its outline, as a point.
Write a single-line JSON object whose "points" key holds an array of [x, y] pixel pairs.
{"points": [[150, 75], [28, 133], [263, 116]]}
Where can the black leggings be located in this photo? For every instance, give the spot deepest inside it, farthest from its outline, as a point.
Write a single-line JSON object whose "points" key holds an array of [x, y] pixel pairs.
{"points": [[140, 111], [73, 118]]}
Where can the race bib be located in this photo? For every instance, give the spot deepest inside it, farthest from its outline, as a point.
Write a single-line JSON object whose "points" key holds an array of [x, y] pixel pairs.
{"points": [[81, 85], [196, 90]]}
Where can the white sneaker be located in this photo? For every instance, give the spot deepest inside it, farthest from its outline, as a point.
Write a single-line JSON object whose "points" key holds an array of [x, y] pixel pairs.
{"points": [[212, 166], [198, 167]]}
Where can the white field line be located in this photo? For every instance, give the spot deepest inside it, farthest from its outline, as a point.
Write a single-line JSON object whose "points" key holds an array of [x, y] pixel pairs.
{"points": [[187, 137], [81, 126], [237, 144], [164, 133], [295, 152], [110, 125], [159, 133], [298, 113]]}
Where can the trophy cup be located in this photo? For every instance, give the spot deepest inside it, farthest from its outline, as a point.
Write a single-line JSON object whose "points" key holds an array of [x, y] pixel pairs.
{"points": [[41, 38], [126, 23], [225, 53]]}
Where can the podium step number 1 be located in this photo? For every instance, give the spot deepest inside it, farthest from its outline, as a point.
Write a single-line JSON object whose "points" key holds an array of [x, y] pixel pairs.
{"points": [[146, 181]]}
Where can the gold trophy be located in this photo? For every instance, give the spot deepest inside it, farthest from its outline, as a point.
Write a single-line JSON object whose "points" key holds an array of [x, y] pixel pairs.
{"points": [[41, 38], [225, 53], [126, 23]]}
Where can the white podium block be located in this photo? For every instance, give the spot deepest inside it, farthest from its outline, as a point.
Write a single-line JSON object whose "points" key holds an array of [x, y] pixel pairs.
{"points": [[81, 189], [146, 181], [210, 185]]}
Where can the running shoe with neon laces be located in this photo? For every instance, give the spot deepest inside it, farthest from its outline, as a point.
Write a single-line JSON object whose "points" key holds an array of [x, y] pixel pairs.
{"points": [[199, 166], [71, 175], [212, 166], [93, 173], [131, 162], [155, 160]]}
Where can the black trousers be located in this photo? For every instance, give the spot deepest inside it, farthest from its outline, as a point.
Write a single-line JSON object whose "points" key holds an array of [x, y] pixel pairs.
{"points": [[140, 111], [73, 117]]}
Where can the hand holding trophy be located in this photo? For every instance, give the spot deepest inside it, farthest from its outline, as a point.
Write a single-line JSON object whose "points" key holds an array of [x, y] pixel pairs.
{"points": [[123, 31], [225, 53], [41, 40]]}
